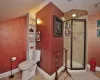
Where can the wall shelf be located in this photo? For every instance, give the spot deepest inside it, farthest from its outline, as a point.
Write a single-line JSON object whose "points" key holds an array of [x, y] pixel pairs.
{"points": [[31, 32]]}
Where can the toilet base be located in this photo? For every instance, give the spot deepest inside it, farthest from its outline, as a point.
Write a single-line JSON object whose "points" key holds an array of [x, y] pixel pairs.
{"points": [[27, 74]]}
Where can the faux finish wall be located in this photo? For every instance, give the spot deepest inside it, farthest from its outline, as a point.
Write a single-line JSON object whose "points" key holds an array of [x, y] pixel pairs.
{"points": [[49, 43], [57, 43], [93, 40], [12, 42]]}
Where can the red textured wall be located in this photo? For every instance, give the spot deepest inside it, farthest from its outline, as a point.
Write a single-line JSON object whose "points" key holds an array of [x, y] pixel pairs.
{"points": [[12, 42], [44, 44], [93, 40], [48, 43], [56, 42]]}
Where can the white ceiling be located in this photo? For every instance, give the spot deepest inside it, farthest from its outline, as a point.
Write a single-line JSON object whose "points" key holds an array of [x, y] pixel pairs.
{"points": [[15, 8], [66, 5]]}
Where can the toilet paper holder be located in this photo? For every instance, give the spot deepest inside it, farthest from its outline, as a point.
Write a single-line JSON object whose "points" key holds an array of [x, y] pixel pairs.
{"points": [[11, 60]]}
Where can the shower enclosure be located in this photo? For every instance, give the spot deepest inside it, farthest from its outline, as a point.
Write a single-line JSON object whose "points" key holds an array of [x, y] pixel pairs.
{"points": [[77, 43]]}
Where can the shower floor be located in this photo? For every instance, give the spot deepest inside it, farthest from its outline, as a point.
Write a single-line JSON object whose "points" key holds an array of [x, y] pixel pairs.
{"points": [[75, 64]]}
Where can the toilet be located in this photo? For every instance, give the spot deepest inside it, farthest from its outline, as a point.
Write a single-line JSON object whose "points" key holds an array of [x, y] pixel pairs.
{"points": [[28, 67]]}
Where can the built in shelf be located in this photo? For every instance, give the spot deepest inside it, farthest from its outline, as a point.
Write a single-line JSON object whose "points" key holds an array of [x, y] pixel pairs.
{"points": [[31, 32]]}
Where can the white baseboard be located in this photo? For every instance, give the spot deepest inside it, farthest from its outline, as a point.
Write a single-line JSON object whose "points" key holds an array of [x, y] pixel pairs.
{"points": [[46, 75], [53, 75], [97, 68], [6, 74]]}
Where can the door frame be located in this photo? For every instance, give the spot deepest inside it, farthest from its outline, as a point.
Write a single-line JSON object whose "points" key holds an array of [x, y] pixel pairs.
{"points": [[81, 20]]}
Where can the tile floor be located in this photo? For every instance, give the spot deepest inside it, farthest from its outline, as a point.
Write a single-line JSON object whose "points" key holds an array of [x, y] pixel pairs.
{"points": [[17, 76], [39, 76], [97, 73]]}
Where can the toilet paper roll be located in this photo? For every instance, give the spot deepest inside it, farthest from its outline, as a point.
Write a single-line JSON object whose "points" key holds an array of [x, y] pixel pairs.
{"points": [[13, 58]]}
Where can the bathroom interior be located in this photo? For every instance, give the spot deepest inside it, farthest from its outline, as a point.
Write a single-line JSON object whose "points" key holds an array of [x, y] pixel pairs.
{"points": [[27, 43]]}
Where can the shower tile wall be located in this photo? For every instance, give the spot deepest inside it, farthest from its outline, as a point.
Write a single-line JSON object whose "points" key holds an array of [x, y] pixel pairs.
{"points": [[78, 44], [67, 42]]}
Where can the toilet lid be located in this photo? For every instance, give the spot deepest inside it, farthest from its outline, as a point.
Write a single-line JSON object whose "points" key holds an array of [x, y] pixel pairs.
{"points": [[26, 63]]}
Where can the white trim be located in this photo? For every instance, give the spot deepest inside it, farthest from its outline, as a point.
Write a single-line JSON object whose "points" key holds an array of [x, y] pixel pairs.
{"points": [[46, 75], [53, 75], [6, 74], [97, 68]]}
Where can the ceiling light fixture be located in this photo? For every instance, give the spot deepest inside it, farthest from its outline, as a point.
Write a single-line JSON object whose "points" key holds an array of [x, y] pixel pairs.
{"points": [[39, 21], [73, 15]]}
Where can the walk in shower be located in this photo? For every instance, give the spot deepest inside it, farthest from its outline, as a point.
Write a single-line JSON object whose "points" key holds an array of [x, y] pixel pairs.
{"points": [[75, 42]]}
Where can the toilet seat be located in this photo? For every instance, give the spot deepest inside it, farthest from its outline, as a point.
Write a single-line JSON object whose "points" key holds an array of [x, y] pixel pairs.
{"points": [[26, 64]]}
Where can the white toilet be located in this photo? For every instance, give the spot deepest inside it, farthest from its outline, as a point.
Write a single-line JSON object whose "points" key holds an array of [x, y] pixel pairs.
{"points": [[29, 67]]}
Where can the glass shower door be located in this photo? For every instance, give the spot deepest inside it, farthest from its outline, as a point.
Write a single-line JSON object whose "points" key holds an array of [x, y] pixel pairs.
{"points": [[78, 44]]}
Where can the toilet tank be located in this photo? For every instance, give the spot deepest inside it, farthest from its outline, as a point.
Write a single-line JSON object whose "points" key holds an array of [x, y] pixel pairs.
{"points": [[36, 55]]}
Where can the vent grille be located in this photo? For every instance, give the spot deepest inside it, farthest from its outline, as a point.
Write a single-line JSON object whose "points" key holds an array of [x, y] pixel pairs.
{"points": [[69, 0]]}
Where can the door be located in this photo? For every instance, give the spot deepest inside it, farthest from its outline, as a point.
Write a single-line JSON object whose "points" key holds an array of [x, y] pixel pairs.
{"points": [[78, 42]]}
